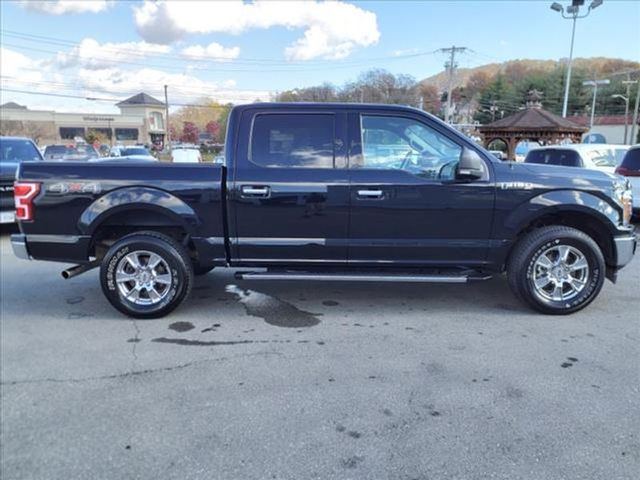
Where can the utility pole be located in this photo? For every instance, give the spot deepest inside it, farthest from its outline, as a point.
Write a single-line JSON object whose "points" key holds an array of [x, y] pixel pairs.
{"points": [[166, 122], [451, 65], [634, 125], [628, 82]]}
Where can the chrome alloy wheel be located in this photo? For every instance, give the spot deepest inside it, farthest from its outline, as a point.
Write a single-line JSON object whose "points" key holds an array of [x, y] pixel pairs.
{"points": [[143, 277], [560, 273]]}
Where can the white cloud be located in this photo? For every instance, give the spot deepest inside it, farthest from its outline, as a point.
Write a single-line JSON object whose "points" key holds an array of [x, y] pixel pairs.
{"points": [[38, 79], [405, 51], [183, 87], [91, 54], [213, 51], [332, 29], [60, 7], [19, 67]]}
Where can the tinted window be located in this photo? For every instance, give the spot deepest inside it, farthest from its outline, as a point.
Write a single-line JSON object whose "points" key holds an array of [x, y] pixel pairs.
{"points": [[134, 151], [404, 144], [632, 160], [293, 141], [56, 151], [18, 150], [565, 158]]}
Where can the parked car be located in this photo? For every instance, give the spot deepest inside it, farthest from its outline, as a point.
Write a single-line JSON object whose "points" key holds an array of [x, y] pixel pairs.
{"points": [[82, 151], [499, 154], [583, 155], [13, 151], [186, 154], [302, 196], [630, 168], [138, 152]]}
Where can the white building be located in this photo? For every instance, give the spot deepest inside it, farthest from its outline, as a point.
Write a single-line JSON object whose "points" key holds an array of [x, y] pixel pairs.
{"points": [[141, 121], [609, 126]]}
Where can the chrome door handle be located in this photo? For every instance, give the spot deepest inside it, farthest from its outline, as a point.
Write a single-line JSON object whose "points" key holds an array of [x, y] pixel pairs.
{"points": [[254, 191], [370, 193]]}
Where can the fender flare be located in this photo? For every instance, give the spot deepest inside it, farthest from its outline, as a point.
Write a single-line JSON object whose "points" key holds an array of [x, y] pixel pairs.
{"points": [[559, 201], [138, 198]]}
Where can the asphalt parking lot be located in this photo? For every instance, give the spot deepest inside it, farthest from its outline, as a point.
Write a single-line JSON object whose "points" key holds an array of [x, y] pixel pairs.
{"points": [[294, 380]]}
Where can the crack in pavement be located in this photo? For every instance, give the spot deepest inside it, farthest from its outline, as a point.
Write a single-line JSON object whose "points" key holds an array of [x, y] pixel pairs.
{"points": [[134, 373]]}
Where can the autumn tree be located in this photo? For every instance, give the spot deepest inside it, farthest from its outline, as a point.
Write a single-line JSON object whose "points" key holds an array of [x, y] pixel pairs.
{"points": [[190, 133]]}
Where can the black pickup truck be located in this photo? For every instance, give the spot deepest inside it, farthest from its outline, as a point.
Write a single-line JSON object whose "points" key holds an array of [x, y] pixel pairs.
{"points": [[330, 192]]}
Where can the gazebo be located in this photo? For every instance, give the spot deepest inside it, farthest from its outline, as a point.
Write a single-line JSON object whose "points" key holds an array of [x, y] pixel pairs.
{"points": [[534, 124]]}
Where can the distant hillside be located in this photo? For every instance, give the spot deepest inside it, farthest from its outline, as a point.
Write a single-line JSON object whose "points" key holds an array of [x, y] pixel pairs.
{"points": [[596, 66]]}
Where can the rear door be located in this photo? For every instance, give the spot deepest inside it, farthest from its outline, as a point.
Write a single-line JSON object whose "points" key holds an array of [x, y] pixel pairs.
{"points": [[407, 209], [289, 193]]}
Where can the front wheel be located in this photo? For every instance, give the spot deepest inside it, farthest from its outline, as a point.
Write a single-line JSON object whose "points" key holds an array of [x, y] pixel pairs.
{"points": [[557, 270], [146, 275]]}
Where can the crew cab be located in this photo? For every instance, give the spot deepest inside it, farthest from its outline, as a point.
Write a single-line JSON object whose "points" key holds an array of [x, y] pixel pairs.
{"points": [[330, 192]]}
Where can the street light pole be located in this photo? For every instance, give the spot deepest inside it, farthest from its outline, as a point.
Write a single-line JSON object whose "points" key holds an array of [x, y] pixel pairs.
{"points": [[573, 14], [627, 100], [594, 84], [567, 82]]}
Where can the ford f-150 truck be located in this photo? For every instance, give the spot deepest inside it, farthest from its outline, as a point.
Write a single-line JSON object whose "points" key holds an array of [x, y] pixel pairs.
{"points": [[329, 192]]}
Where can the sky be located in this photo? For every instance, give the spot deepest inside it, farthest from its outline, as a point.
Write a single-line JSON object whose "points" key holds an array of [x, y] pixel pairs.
{"points": [[233, 51]]}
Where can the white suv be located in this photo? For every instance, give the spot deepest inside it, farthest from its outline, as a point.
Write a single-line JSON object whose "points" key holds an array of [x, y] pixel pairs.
{"points": [[602, 157]]}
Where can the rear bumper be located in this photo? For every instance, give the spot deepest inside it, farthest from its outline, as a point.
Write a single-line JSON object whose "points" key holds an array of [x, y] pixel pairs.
{"points": [[7, 216], [19, 246], [626, 246], [56, 248]]}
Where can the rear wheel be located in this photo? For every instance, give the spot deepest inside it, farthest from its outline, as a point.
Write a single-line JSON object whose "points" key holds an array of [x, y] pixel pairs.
{"points": [[556, 270], [146, 275]]}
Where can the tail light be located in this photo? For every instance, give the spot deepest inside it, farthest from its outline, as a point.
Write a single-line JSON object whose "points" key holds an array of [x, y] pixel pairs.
{"points": [[627, 172], [23, 195]]}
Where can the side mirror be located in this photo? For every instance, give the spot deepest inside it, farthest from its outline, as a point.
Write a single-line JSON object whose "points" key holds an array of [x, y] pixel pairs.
{"points": [[470, 166]]}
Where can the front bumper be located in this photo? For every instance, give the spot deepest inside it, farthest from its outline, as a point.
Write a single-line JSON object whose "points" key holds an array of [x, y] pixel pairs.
{"points": [[19, 246], [626, 246]]}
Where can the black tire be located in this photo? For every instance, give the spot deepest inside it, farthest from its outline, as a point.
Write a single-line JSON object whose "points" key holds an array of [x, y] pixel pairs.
{"points": [[199, 270], [175, 268], [524, 267]]}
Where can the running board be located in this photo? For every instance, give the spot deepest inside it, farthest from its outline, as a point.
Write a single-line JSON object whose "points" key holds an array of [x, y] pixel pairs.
{"points": [[364, 277]]}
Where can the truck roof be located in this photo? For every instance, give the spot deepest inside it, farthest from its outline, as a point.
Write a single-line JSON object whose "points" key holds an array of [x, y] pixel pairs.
{"points": [[330, 106]]}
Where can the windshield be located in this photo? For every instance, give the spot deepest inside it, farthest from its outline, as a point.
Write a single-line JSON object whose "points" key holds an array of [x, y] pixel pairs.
{"points": [[17, 150], [134, 151], [603, 157]]}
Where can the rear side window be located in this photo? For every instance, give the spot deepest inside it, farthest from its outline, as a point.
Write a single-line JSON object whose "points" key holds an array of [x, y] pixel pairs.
{"points": [[565, 158], [293, 141], [632, 160]]}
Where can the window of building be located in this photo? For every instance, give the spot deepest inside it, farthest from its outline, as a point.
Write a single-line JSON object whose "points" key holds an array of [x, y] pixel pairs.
{"points": [[69, 133], [399, 143], [104, 131], [126, 134], [293, 140], [156, 121]]}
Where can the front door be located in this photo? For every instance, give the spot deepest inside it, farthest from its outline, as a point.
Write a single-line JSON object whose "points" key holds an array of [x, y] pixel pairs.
{"points": [[290, 191], [407, 209]]}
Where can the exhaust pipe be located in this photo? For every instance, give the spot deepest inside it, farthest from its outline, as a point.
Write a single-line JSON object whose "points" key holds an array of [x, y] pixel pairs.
{"points": [[78, 269]]}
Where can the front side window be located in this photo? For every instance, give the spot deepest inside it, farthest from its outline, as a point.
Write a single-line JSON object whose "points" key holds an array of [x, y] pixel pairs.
{"points": [[293, 141], [400, 143]]}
